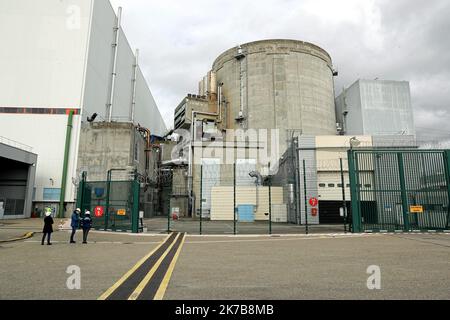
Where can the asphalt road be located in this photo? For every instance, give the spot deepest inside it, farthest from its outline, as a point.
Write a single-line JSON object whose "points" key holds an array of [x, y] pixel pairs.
{"points": [[31, 271], [412, 266]]}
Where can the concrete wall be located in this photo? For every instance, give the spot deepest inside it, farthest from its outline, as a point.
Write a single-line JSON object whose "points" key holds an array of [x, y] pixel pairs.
{"points": [[105, 146], [280, 84], [183, 113]]}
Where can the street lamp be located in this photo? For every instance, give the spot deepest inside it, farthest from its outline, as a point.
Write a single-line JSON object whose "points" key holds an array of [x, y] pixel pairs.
{"points": [[354, 142]]}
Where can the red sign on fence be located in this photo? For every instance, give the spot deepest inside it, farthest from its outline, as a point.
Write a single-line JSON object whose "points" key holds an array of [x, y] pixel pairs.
{"points": [[98, 211], [313, 202], [314, 212]]}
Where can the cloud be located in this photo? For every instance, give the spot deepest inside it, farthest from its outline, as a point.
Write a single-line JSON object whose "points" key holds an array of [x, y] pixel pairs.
{"points": [[395, 40]]}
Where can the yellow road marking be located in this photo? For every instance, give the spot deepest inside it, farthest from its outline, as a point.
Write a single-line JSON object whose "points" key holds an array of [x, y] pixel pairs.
{"points": [[108, 292], [165, 282], [24, 237], [152, 271]]}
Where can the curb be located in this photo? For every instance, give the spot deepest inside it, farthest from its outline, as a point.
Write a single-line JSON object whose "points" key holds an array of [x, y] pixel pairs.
{"points": [[24, 237]]}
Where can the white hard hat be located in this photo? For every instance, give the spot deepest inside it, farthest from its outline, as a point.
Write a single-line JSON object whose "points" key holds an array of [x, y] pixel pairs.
{"points": [[88, 212], [48, 213], [78, 210]]}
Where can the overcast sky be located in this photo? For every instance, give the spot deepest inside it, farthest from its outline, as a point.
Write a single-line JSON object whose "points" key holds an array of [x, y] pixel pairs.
{"points": [[393, 40]]}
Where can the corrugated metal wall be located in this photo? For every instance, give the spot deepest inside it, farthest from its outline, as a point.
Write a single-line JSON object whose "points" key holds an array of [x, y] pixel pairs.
{"points": [[307, 152], [222, 201]]}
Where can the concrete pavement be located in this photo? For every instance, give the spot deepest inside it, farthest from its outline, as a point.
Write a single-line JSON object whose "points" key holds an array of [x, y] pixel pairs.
{"points": [[413, 266]]}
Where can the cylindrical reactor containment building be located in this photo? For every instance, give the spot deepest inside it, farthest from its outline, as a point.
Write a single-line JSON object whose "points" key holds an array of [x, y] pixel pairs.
{"points": [[278, 84]]}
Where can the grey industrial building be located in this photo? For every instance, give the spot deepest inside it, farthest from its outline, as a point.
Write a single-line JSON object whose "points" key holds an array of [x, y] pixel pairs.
{"points": [[376, 107]]}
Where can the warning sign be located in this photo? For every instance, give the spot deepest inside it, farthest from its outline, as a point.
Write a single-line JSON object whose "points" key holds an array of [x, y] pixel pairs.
{"points": [[313, 202], [98, 211], [121, 212], [314, 212], [416, 209]]}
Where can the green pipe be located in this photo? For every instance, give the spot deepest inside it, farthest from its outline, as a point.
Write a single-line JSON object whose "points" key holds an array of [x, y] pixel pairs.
{"points": [[65, 164]]}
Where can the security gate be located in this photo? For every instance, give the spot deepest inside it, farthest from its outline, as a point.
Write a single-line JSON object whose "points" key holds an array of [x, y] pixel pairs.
{"points": [[399, 190], [114, 205]]}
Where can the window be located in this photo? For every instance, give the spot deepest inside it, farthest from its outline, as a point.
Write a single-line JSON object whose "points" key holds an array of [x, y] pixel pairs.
{"points": [[331, 185], [339, 185], [368, 185], [51, 194], [322, 185], [136, 152]]}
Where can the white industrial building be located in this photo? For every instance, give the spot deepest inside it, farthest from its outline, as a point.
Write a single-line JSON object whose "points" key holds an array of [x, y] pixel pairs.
{"points": [[63, 56]]}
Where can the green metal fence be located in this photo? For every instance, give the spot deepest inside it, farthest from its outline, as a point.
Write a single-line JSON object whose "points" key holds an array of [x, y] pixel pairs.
{"points": [[114, 205], [400, 190]]}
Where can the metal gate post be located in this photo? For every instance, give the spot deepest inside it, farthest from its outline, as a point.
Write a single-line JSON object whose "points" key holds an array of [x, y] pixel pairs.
{"points": [[135, 207], [344, 204], [354, 196], [447, 179], [234, 198], [296, 162], [108, 187], [81, 186], [306, 196], [270, 201], [403, 191], [201, 197], [168, 215]]}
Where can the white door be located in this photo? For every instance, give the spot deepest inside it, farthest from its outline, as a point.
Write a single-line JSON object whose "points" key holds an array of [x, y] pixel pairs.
{"points": [[210, 178]]}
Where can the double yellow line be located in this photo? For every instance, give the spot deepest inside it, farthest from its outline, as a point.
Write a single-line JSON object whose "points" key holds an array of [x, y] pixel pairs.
{"points": [[149, 276], [24, 237]]}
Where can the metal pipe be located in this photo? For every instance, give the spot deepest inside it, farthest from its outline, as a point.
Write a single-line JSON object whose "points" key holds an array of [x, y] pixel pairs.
{"points": [[201, 198], [65, 165], [234, 198], [219, 102], [306, 196], [344, 204], [191, 149], [133, 99], [194, 113], [270, 200], [114, 67]]}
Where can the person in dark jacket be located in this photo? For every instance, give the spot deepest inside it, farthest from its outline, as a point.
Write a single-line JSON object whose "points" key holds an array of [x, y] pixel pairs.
{"points": [[75, 223], [86, 225], [48, 228]]}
